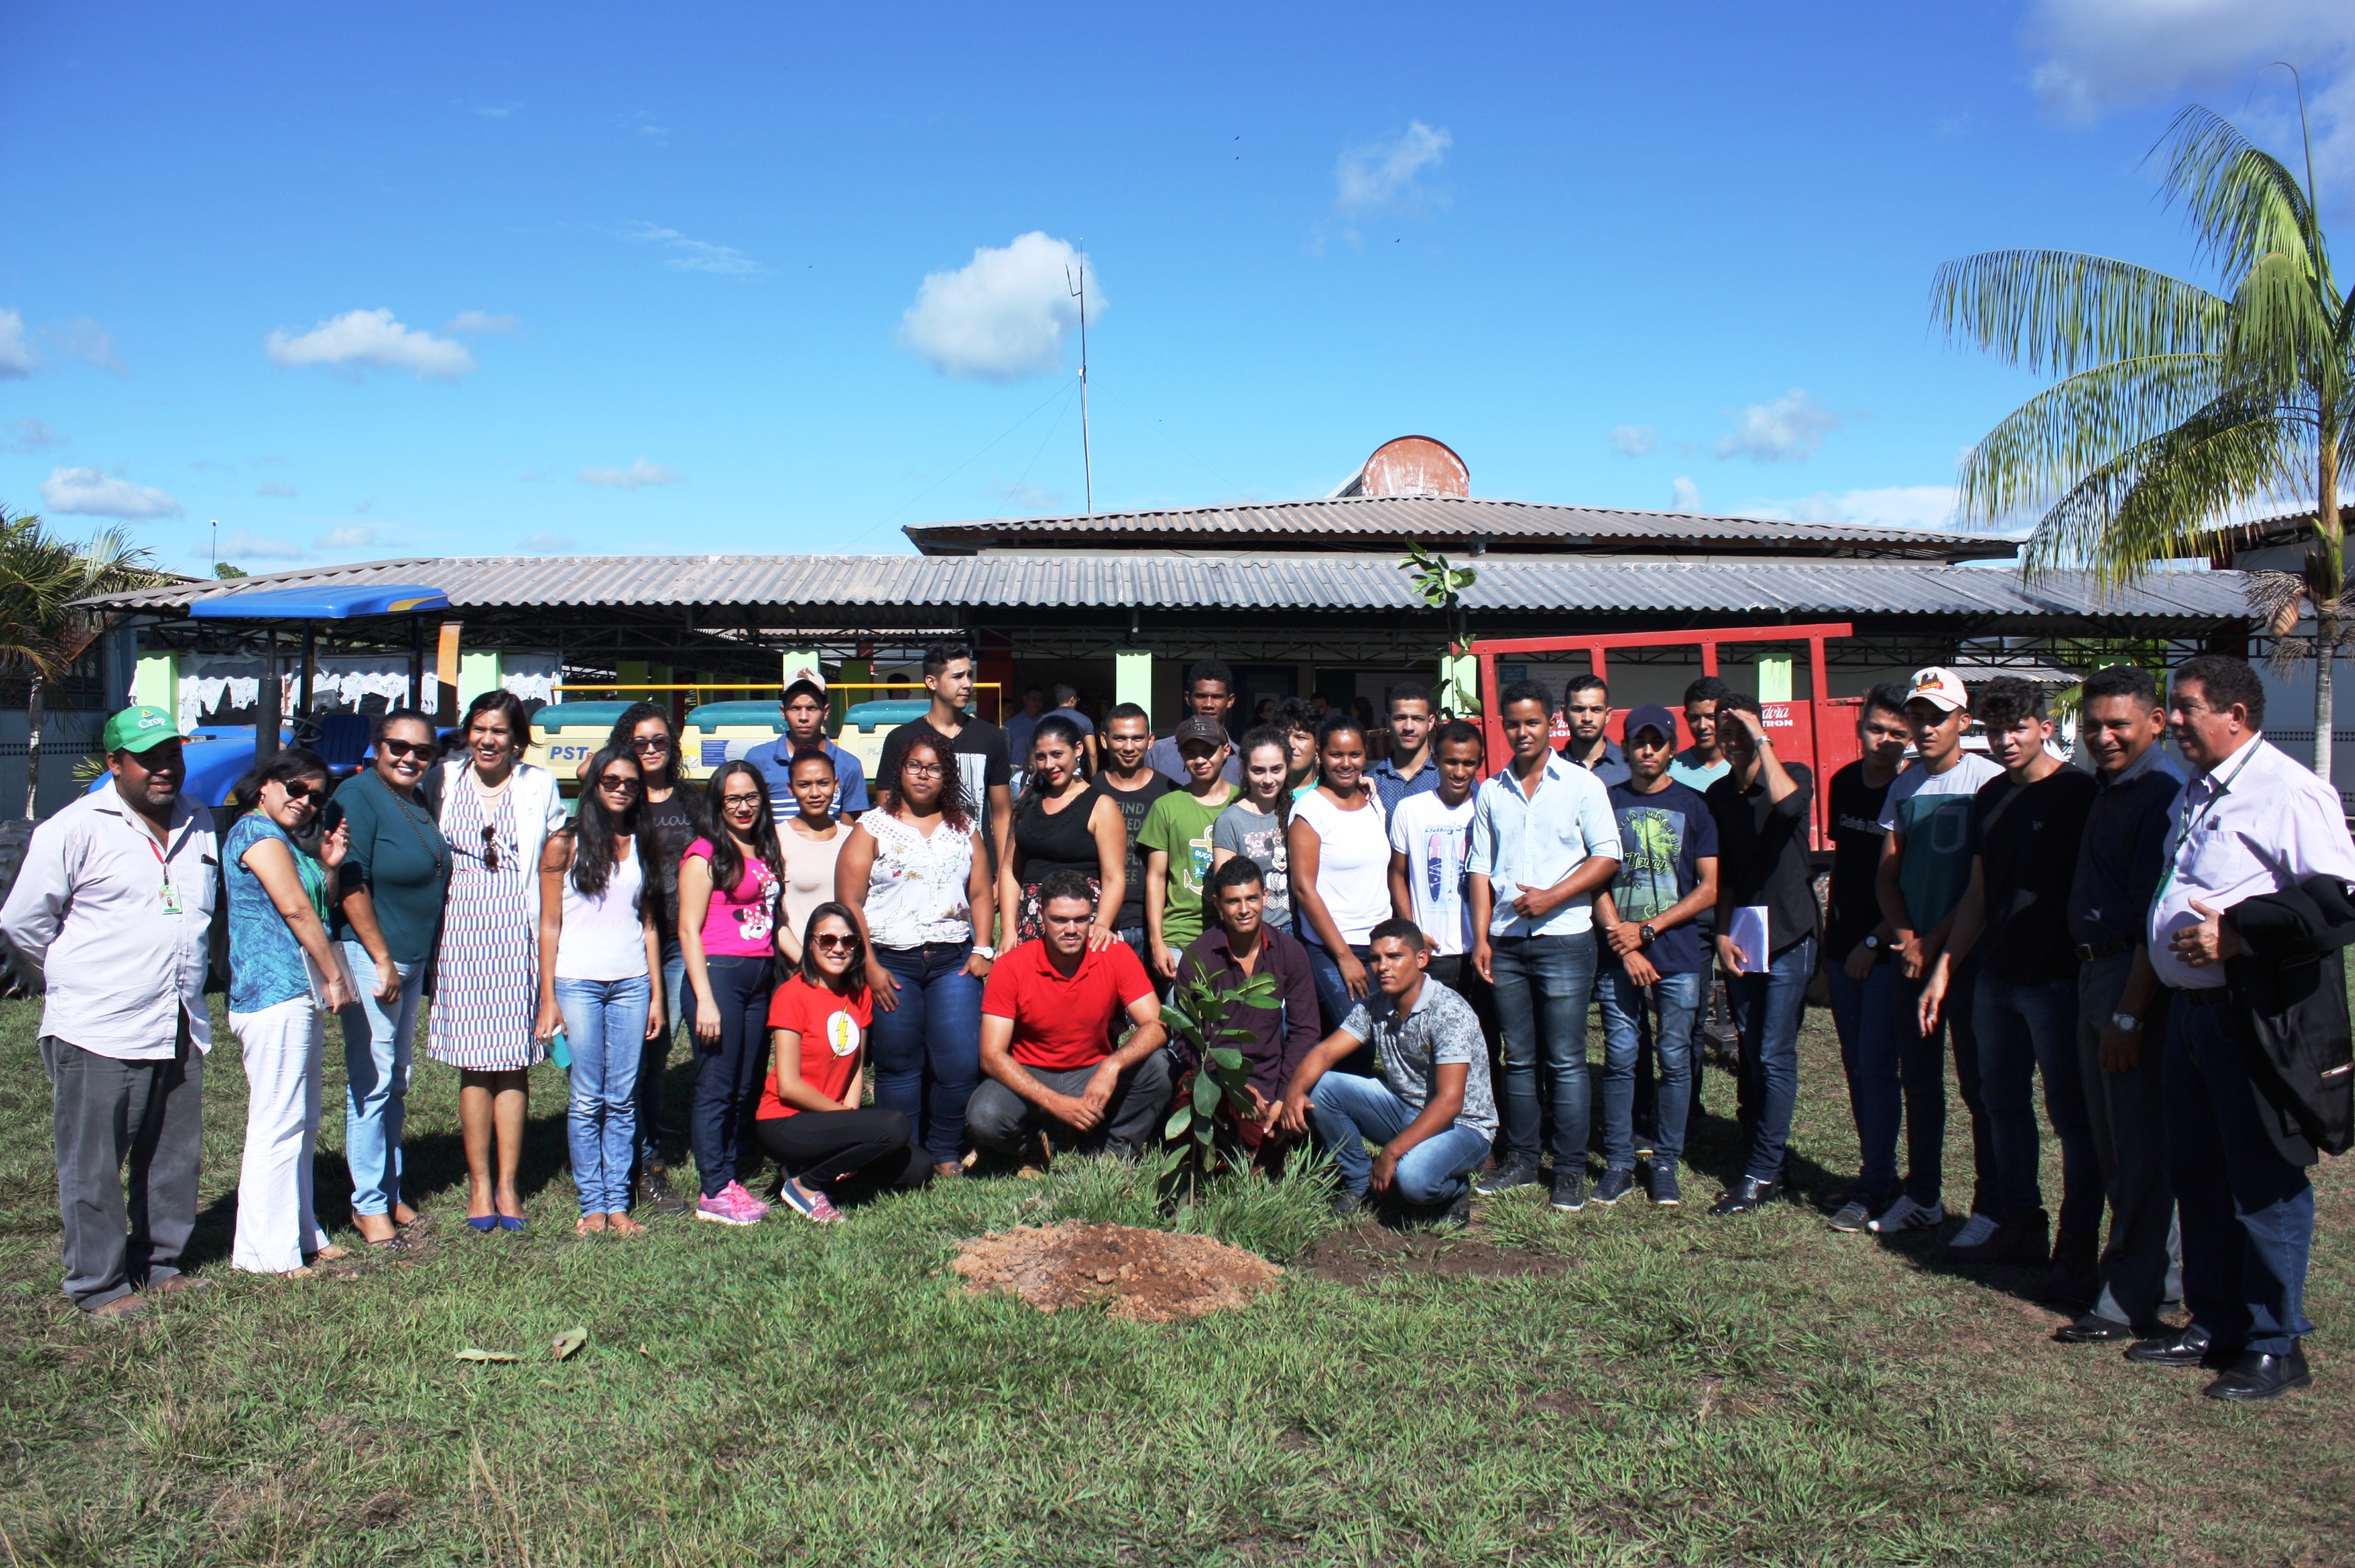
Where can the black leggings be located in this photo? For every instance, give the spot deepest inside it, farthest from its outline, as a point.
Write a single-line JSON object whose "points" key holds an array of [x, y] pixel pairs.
{"points": [[823, 1146]]}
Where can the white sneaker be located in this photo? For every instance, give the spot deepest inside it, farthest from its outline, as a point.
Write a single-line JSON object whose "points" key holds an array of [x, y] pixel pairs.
{"points": [[1977, 1229], [1907, 1215]]}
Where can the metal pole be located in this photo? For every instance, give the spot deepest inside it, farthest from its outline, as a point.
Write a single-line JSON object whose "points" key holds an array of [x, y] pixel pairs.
{"points": [[416, 660], [1087, 453], [310, 652], [265, 712]]}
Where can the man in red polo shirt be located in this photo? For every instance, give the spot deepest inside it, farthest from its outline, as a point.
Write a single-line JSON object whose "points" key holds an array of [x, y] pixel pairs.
{"points": [[1049, 1017]]}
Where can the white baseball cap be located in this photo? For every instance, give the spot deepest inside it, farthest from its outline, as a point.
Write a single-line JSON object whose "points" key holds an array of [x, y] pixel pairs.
{"points": [[1941, 686]]}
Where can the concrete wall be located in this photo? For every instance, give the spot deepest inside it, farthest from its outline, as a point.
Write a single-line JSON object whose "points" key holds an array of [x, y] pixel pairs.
{"points": [[66, 737]]}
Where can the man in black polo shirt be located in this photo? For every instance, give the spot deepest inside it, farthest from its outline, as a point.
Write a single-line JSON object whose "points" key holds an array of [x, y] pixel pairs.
{"points": [[2121, 1005]]}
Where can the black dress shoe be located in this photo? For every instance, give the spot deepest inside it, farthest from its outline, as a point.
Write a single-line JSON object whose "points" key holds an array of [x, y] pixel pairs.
{"points": [[2260, 1375], [2187, 1347], [1749, 1193], [2091, 1330]]}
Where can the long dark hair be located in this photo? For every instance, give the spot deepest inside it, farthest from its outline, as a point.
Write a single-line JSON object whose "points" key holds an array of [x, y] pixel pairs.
{"points": [[857, 973], [727, 860], [891, 795], [1052, 727], [283, 767], [598, 830], [1274, 735], [625, 729]]}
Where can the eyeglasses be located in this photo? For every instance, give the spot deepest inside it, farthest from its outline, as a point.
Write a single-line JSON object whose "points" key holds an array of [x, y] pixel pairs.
{"points": [[651, 743], [490, 849], [617, 781], [397, 749], [828, 942], [748, 802], [923, 769]]}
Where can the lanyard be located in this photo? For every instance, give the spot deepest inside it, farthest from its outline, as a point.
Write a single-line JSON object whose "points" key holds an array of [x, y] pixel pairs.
{"points": [[2192, 821], [170, 895]]}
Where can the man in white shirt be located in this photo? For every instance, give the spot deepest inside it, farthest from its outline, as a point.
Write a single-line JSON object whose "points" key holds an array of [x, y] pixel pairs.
{"points": [[112, 910], [2251, 822], [1544, 840], [1430, 834]]}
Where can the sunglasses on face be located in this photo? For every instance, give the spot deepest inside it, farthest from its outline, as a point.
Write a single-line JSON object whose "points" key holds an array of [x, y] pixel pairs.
{"points": [[397, 749], [651, 743], [617, 781], [299, 789], [829, 941]]}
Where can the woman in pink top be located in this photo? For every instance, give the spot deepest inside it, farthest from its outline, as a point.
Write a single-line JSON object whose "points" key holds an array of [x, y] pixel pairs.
{"points": [[727, 888]]}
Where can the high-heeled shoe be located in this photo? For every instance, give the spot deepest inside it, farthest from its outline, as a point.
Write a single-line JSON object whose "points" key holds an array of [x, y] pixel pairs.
{"points": [[510, 1222], [484, 1222]]}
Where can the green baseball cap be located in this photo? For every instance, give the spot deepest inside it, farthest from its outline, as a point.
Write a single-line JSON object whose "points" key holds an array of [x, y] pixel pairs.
{"points": [[138, 729]]}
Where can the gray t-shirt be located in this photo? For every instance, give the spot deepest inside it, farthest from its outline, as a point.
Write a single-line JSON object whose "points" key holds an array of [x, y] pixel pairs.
{"points": [[1409, 1053], [1258, 837]]}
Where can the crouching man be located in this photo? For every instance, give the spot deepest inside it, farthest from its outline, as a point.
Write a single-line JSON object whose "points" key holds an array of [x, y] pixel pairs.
{"points": [[1050, 1015], [1431, 1110]]}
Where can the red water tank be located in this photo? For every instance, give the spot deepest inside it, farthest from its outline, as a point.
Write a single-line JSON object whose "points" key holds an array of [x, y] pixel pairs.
{"points": [[1413, 465]]}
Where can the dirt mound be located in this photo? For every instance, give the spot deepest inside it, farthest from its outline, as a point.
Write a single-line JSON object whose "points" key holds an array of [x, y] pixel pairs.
{"points": [[1364, 1253], [1151, 1275]]}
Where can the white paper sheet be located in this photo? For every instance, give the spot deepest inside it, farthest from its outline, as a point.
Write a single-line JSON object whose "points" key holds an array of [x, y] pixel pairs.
{"points": [[1749, 934]]}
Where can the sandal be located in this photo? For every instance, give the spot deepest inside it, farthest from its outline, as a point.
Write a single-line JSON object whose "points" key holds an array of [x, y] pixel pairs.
{"points": [[396, 1243]]}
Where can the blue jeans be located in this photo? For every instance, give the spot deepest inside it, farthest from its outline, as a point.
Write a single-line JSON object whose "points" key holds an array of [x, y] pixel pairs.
{"points": [[927, 1048], [1895, 1059], [1543, 985], [1672, 1001], [1333, 999], [1350, 1111], [377, 1042], [1766, 1012], [2024, 1030], [727, 1069], [655, 1060], [2248, 1213], [606, 1024]]}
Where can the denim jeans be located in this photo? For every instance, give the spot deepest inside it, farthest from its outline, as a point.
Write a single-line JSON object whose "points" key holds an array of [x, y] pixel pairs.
{"points": [[1671, 1001], [2248, 1213], [1895, 1057], [606, 1024], [377, 1042], [2024, 1030], [1543, 984], [1766, 1012], [1348, 1112], [727, 1071], [655, 1060], [927, 1050], [1333, 999]]}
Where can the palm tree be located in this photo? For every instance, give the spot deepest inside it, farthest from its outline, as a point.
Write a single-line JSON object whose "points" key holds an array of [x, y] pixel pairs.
{"points": [[41, 635], [2179, 409]]}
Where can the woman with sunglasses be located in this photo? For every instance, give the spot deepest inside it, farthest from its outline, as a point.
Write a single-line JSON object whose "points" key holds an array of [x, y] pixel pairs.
{"points": [[1063, 820], [601, 988], [389, 893], [811, 841], [285, 976], [670, 817], [498, 815], [811, 1121], [727, 917], [913, 874]]}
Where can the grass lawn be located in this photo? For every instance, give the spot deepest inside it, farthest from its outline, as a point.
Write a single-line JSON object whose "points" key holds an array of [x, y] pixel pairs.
{"points": [[1690, 1390]]}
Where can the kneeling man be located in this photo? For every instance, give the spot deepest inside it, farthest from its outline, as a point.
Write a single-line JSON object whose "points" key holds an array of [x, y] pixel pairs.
{"points": [[1049, 1017], [1431, 1110]]}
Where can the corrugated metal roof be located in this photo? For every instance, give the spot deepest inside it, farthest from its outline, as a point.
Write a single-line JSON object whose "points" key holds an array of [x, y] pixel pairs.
{"points": [[1383, 520], [1261, 583]]}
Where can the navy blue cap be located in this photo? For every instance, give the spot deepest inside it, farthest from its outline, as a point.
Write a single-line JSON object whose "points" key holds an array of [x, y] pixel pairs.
{"points": [[1651, 716]]}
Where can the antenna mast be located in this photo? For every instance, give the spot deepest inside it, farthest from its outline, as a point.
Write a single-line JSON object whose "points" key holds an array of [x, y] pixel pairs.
{"points": [[1087, 456]]}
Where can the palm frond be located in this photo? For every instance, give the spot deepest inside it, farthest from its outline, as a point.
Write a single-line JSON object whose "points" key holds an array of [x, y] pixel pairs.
{"points": [[2282, 336], [2071, 431], [2243, 202], [2158, 501], [2063, 310]]}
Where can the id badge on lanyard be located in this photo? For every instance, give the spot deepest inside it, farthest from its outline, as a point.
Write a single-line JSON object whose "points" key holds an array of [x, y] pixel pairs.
{"points": [[2191, 822], [171, 895]]}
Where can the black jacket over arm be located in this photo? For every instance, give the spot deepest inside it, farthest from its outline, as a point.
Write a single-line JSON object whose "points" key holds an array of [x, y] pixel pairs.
{"points": [[2289, 986]]}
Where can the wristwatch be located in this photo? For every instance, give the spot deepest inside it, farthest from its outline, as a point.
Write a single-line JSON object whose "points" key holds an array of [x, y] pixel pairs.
{"points": [[2128, 1022], [1646, 931], [984, 950], [1873, 940]]}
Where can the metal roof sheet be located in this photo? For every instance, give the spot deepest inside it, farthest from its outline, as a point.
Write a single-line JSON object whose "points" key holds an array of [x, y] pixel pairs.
{"points": [[1261, 583], [1379, 520]]}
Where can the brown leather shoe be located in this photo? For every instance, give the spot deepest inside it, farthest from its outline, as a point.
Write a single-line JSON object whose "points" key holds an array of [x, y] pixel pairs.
{"points": [[122, 1306], [174, 1284]]}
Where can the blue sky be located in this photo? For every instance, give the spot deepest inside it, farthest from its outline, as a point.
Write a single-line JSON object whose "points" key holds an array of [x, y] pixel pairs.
{"points": [[531, 278]]}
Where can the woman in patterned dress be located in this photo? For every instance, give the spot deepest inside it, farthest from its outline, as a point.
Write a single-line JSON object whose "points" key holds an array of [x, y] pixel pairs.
{"points": [[497, 815]]}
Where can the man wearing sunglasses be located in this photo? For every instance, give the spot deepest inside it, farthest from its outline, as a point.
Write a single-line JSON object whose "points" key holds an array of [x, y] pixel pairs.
{"points": [[1049, 1017], [804, 708]]}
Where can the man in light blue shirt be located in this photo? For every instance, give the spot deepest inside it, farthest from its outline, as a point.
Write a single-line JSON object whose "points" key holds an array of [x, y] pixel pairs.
{"points": [[1544, 840], [804, 708]]}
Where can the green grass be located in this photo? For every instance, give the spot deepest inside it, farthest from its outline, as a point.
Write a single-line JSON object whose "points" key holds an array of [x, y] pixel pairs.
{"points": [[1752, 1392]]}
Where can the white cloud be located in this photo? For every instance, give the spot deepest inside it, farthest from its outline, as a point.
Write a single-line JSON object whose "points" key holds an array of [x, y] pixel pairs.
{"points": [[695, 255], [476, 322], [1890, 507], [1388, 173], [241, 541], [1791, 428], [545, 544], [92, 492], [17, 356], [636, 476], [2094, 55], [1633, 440], [273, 487], [83, 339], [1685, 496], [370, 337], [352, 536], [30, 435], [1004, 314]]}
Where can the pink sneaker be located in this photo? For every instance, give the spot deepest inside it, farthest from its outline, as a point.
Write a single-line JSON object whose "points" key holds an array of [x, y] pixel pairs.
{"points": [[720, 1212], [752, 1209]]}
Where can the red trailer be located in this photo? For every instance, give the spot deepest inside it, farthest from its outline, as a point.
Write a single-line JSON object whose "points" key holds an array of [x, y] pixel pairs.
{"points": [[1819, 731]]}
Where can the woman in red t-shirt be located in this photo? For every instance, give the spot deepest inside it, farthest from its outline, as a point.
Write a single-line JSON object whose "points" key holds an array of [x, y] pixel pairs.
{"points": [[810, 1120]]}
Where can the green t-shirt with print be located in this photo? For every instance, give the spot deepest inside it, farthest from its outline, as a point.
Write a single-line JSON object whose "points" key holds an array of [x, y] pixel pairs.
{"points": [[1179, 826]]}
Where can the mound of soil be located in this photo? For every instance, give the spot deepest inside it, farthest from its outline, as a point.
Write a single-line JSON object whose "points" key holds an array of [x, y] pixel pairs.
{"points": [[1365, 1252], [1150, 1277]]}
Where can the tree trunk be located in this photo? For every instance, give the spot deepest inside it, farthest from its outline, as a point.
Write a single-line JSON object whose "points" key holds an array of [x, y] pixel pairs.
{"points": [[2326, 643], [32, 746], [2326, 614]]}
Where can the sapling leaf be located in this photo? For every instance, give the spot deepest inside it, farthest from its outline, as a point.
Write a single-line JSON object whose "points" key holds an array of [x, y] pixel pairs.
{"points": [[1180, 1119], [1206, 1094], [1227, 1056]]}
